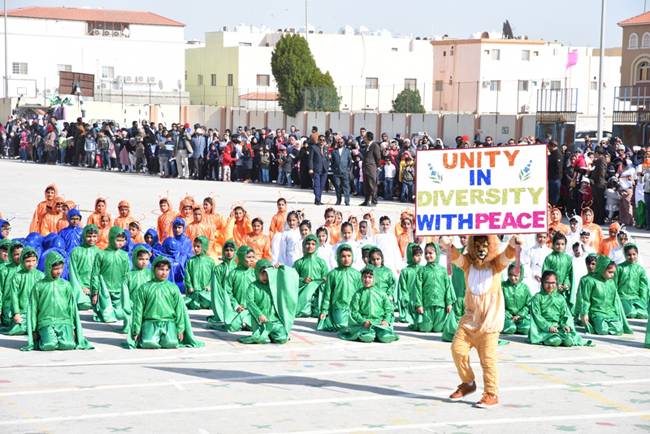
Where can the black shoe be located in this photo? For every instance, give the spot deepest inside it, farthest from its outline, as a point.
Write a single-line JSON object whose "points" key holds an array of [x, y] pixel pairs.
{"points": [[364, 203], [338, 203]]}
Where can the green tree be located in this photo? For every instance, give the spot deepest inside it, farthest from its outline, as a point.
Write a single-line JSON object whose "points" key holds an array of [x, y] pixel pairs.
{"points": [[408, 101], [301, 85]]}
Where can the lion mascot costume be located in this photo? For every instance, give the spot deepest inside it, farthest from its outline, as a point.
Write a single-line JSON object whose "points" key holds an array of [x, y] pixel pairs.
{"points": [[484, 314]]}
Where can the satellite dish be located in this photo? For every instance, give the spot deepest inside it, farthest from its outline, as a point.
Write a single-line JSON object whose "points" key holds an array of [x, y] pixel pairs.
{"points": [[507, 31]]}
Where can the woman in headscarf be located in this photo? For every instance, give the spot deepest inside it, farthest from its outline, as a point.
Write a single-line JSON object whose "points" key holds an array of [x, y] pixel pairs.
{"points": [[100, 210], [50, 193], [593, 228]]}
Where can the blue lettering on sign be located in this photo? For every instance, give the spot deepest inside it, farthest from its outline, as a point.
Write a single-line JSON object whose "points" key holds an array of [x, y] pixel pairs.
{"points": [[480, 177]]}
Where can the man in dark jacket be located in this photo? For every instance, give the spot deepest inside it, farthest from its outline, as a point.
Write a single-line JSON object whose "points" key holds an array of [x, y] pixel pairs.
{"points": [[599, 179], [554, 172], [341, 167], [369, 167], [318, 167]]}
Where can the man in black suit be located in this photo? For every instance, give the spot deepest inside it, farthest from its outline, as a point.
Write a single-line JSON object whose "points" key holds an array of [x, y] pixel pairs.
{"points": [[318, 167], [369, 168], [341, 167]]}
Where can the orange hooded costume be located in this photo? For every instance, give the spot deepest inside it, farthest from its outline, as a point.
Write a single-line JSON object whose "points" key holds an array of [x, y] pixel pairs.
{"points": [[63, 222], [41, 208], [555, 221], [610, 242], [165, 220], [51, 218], [95, 217], [237, 230], [595, 230], [185, 208], [123, 222]]}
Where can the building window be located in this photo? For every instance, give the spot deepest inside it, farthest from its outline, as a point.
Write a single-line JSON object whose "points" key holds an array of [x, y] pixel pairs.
{"points": [[438, 86], [525, 55], [643, 71], [102, 28], [19, 68], [523, 86], [645, 40], [495, 85], [213, 79], [394, 49], [496, 54], [230, 80], [245, 44], [593, 85], [66, 68], [263, 80], [372, 83], [410, 83], [444, 53], [108, 72], [199, 79], [633, 42], [556, 84]]}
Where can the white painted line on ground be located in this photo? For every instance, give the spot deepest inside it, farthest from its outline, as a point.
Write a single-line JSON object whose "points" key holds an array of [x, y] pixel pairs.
{"points": [[481, 422], [295, 403]]}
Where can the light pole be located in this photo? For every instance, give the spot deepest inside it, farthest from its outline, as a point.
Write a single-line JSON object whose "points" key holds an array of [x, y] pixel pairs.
{"points": [[600, 70], [6, 82]]}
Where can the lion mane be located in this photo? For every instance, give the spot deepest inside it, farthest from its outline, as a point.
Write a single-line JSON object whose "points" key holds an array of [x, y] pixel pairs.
{"points": [[493, 250]]}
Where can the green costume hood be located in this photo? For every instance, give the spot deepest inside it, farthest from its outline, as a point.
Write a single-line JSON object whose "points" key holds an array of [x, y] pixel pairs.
{"points": [[310, 237], [601, 265], [241, 257], [52, 259], [24, 253], [436, 247], [409, 254], [204, 244], [262, 264], [229, 243], [5, 244], [112, 236], [159, 260], [84, 232], [15, 245], [340, 250], [135, 253]]}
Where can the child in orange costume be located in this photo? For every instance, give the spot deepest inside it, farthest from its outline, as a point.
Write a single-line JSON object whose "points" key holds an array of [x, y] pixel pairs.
{"points": [[218, 225], [41, 209], [100, 211], [165, 220], [484, 314], [333, 230], [405, 235], [136, 233], [63, 221], [555, 221], [199, 227], [589, 225], [51, 218], [124, 219], [258, 241], [104, 228], [611, 242], [277, 221], [238, 226]]}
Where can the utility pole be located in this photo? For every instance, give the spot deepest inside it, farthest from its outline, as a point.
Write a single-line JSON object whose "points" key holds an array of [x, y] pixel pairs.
{"points": [[306, 31], [600, 70], [6, 83]]}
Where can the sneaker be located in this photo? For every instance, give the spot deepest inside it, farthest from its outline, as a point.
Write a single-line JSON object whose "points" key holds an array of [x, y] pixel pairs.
{"points": [[463, 390], [488, 401]]}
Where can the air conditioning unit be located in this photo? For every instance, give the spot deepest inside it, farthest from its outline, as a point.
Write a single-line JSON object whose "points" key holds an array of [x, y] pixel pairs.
{"points": [[117, 33], [107, 33], [96, 32], [151, 80], [525, 108], [128, 79], [139, 79], [485, 84]]}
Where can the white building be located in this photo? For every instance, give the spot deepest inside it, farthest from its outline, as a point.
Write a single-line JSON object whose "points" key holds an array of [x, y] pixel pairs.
{"points": [[133, 56], [513, 76], [369, 69]]}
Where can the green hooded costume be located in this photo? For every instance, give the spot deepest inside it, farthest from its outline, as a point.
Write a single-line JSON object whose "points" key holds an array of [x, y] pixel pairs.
{"points": [[409, 280], [551, 310], [340, 285], [312, 267], [217, 285], [276, 300], [233, 295], [632, 282], [384, 279], [198, 275], [135, 279], [109, 272], [584, 280], [433, 294], [160, 315], [20, 288], [562, 265], [5, 244], [52, 317], [458, 283], [80, 268], [373, 305], [599, 299], [7, 274], [517, 299]]}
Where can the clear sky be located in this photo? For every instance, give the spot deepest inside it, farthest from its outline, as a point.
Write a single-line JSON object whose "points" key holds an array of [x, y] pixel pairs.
{"points": [[574, 22]]}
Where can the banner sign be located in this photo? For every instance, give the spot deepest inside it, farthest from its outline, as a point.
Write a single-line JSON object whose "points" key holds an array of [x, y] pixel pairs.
{"points": [[481, 191]]}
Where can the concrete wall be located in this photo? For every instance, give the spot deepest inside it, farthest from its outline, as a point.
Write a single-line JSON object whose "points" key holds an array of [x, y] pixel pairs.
{"points": [[528, 124], [340, 122], [275, 120], [457, 125], [426, 122], [316, 119], [393, 123], [257, 119], [500, 127], [367, 121], [298, 121]]}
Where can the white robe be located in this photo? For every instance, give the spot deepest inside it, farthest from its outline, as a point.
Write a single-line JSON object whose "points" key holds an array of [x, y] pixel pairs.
{"points": [[290, 247], [532, 263], [387, 243]]}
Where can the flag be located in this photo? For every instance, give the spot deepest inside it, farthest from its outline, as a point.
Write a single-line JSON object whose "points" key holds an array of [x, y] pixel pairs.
{"points": [[572, 58]]}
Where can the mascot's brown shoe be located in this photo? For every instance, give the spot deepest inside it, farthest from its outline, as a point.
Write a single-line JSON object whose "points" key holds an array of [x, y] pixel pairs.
{"points": [[463, 390], [488, 401]]}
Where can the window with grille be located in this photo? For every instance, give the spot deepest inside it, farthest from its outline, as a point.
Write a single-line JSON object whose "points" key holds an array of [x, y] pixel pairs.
{"points": [[19, 68], [372, 83], [410, 83], [263, 80], [230, 80], [213, 79], [199, 80]]}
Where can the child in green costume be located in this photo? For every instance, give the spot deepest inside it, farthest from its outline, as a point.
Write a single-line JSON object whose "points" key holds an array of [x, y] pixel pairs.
{"points": [[82, 259], [409, 280], [198, 275], [370, 314], [632, 282], [340, 285], [311, 270], [6, 276], [218, 282], [516, 295], [272, 302], [52, 318], [431, 301], [383, 276], [551, 319], [600, 306], [20, 288], [109, 272], [136, 278], [562, 264], [160, 319], [233, 297], [590, 262]]}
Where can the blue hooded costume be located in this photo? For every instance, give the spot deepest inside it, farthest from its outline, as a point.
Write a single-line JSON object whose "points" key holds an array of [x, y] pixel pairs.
{"points": [[71, 236], [184, 242], [171, 251], [155, 244], [35, 241], [2, 223]]}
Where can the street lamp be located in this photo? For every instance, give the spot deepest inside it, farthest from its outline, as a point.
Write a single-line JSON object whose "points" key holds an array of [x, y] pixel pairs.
{"points": [[600, 70], [6, 82]]}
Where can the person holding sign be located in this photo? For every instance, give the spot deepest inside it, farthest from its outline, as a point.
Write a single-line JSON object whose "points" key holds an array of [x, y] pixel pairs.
{"points": [[484, 312]]}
